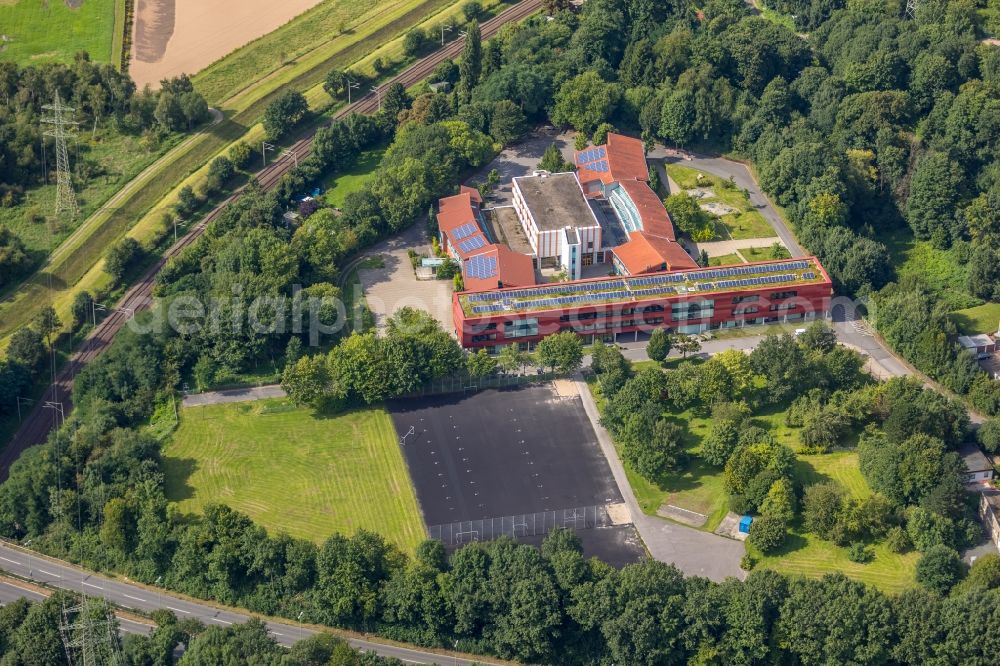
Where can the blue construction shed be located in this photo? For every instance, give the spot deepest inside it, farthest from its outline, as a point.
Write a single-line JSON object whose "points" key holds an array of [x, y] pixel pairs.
{"points": [[745, 522]]}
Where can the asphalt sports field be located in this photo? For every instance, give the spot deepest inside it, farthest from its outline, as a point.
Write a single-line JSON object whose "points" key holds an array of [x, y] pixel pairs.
{"points": [[526, 454]]}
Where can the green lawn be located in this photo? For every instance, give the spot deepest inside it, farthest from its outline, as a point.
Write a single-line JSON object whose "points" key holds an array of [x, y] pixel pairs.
{"points": [[724, 260], [40, 31], [807, 555], [342, 183], [980, 319], [293, 471], [748, 223], [765, 253]]}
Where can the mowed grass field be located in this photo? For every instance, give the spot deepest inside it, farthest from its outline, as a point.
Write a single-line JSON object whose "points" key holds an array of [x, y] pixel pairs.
{"points": [[805, 554], [38, 31], [295, 472]]}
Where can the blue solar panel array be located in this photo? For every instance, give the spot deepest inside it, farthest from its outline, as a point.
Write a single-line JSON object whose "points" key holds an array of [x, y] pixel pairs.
{"points": [[591, 155], [623, 289], [757, 281], [481, 267], [466, 229], [473, 243], [747, 270]]}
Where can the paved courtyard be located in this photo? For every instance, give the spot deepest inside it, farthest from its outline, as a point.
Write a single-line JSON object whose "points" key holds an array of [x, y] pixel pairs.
{"points": [[394, 286]]}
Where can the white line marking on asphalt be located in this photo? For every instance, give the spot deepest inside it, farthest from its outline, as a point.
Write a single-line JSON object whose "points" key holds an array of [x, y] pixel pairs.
{"points": [[218, 620], [129, 596], [9, 560], [48, 573], [178, 610], [92, 585]]}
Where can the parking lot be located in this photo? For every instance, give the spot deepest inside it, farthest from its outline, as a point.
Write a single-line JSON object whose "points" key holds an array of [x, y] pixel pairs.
{"points": [[515, 462]]}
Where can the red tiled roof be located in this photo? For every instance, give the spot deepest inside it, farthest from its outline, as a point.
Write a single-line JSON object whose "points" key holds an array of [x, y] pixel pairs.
{"points": [[513, 270], [655, 220], [454, 212], [646, 253], [625, 157], [473, 193]]}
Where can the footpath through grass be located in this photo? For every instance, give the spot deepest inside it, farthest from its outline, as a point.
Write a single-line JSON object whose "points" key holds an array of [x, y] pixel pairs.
{"points": [[293, 471], [40, 31]]}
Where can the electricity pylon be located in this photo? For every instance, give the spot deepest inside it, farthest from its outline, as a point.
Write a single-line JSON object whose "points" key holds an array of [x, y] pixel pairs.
{"points": [[65, 197], [911, 9], [90, 635]]}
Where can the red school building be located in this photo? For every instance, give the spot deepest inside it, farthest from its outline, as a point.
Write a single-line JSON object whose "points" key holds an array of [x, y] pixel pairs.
{"points": [[687, 301]]}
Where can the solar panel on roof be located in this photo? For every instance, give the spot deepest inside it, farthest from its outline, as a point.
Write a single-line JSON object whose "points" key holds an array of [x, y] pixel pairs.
{"points": [[466, 229], [473, 243], [482, 267], [809, 275]]}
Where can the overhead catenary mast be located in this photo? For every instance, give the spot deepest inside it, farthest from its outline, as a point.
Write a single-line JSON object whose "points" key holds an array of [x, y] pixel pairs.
{"points": [[65, 197]]}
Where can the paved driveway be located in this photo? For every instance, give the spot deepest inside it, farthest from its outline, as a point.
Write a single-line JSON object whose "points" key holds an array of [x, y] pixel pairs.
{"points": [[720, 166], [694, 552]]}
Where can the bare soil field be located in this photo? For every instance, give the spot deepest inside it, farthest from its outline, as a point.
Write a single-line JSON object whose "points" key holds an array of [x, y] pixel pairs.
{"points": [[173, 37]]}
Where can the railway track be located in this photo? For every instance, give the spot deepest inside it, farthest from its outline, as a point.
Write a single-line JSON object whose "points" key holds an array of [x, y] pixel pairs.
{"points": [[50, 409]]}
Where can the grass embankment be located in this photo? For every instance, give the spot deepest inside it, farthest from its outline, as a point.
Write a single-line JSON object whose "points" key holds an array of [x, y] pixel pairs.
{"points": [[295, 472], [140, 212], [807, 555], [744, 223], [40, 32], [943, 271]]}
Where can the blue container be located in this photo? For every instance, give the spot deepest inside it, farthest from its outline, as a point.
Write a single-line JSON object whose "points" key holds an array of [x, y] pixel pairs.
{"points": [[745, 522]]}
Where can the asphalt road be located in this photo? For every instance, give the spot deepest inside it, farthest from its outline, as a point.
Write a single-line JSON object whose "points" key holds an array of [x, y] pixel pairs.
{"points": [[28, 565], [55, 403]]}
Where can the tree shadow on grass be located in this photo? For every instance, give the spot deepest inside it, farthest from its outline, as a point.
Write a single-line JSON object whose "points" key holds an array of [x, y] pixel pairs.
{"points": [[176, 472], [793, 542]]}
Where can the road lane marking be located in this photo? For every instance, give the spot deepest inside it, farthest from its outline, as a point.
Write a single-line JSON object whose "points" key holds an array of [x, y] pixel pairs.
{"points": [[218, 620], [10, 560], [129, 596], [98, 587], [178, 610], [48, 573]]}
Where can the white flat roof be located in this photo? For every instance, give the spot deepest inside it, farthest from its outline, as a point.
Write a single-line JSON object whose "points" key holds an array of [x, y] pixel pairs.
{"points": [[973, 341]]}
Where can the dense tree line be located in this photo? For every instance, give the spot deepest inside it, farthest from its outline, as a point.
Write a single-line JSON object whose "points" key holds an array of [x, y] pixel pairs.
{"points": [[31, 634]]}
